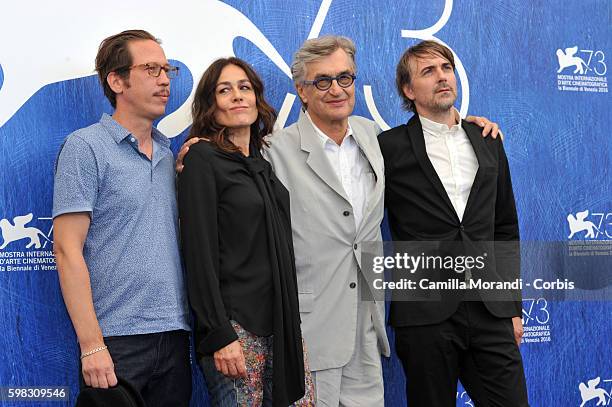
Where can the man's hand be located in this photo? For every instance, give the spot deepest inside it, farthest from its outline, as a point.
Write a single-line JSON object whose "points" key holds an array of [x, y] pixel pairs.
{"points": [[489, 126], [517, 324], [229, 360], [99, 370], [183, 152]]}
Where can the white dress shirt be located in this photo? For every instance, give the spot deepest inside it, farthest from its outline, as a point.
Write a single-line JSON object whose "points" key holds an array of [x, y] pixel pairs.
{"points": [[453, 158], [352, 169]]}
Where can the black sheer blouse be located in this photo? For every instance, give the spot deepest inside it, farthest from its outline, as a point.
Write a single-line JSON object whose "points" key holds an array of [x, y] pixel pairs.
{"points": [[238, 251], [225, 247]]}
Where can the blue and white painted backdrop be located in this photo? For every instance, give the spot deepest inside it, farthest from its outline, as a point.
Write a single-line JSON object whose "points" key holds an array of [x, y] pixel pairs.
{"points": [[517, 65]]}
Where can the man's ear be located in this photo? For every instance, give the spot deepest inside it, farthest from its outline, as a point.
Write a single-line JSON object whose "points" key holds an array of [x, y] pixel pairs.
{"points": [[116, 82], [301, 93], [407, 90]]}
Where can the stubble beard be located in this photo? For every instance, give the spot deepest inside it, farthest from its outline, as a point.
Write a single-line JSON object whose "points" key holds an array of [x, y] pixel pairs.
{"points": [[444, 104]]}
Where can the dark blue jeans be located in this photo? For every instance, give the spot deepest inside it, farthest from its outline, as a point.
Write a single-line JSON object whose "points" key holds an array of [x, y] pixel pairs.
{"points": [[157, 365]]}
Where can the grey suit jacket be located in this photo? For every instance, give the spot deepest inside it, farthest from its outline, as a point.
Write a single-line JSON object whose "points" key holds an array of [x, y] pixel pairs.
{"points": [[327, 243]]}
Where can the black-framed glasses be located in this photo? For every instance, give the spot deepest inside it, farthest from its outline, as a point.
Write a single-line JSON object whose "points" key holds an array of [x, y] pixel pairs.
{"points": [[344, 80], [154, 70]]}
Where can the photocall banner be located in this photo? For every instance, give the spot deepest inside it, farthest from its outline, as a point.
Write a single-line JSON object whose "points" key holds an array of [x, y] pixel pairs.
{"points": [[538, 68]]}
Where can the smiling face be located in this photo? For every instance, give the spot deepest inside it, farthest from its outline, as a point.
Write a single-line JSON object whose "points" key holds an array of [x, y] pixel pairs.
{"points": [[142, 94], [433, 85], [235, 99], [336, 103]]}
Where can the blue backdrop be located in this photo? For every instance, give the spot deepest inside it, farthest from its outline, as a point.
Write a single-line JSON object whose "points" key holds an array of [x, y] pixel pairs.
{"points": [[538, 68]]}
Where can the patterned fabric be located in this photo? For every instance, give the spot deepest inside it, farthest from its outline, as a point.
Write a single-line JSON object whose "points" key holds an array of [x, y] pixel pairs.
{"points": [[257, 352], [256, 389], [131, 249], [310, 396]]}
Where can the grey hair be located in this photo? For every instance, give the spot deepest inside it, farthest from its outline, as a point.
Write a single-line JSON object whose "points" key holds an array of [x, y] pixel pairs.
{"points": [[316, 48]]}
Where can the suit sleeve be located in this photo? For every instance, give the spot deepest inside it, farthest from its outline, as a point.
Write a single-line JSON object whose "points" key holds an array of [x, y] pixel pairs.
{"points": [[268, 156], [506, 219], [198, 200], [274, 155], [506, 224]]}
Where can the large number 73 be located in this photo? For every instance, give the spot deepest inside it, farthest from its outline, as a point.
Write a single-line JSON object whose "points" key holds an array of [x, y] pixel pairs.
{"points": [[427, 34], [536, 311]]}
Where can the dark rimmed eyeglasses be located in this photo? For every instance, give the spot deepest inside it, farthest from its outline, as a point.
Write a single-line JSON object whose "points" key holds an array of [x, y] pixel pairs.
{"points": [[154, 70], [325, 82]]}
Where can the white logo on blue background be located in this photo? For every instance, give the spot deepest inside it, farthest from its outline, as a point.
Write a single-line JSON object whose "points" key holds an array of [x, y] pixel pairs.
{"points": [[207, 30], [536, 321], [590, 391], [578, 223], [590, 225], [582, 70], [569, 59], [17, 231]]}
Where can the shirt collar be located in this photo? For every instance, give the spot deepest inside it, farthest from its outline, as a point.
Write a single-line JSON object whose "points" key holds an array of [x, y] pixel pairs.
{"points": [[120, 133], [324, 137], [437, 129]]}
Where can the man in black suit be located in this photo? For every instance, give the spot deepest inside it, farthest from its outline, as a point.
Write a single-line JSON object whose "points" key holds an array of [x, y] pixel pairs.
{"points": [[446, 183]]}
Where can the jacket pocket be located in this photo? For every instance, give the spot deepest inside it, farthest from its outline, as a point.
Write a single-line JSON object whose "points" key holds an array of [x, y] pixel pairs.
{"points": [[306, 302]]}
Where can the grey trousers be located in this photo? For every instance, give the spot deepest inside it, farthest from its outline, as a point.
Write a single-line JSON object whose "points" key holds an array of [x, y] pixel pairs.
{"points": [[360, 381]]}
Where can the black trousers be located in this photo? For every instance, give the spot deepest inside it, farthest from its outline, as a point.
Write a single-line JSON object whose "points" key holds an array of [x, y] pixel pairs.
{"points": [[157, 365], [472, 346]]}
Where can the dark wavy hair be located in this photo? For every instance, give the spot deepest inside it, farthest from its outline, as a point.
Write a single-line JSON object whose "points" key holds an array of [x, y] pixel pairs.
{"points": [[205, 105]]}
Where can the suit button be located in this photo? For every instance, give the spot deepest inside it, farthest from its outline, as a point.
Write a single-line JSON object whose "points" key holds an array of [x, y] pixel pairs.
{"points": [[352, 285], [346, 213], [355, 246], [461, 227]]}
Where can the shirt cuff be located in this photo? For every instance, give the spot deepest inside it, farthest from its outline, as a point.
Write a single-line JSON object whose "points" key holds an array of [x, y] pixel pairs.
{"points": [[218, 338], [519, 309]]}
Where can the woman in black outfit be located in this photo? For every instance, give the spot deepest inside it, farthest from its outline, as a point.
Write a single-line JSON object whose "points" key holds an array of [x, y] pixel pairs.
{"points": [[237, 246]]}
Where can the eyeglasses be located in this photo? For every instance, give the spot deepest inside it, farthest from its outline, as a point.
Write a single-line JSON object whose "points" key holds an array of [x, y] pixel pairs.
{"points": [[154, 70], [325, 82]]}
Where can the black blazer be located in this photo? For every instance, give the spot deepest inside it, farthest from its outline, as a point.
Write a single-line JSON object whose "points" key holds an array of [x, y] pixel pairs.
{"points": [[419, 209]]}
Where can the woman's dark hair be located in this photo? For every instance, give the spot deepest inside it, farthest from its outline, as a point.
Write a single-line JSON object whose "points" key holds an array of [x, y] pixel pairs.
{"points": [[205, 105]]}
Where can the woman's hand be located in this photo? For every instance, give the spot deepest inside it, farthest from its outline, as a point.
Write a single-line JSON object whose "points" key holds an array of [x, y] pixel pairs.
{"points": [[229, 360]]}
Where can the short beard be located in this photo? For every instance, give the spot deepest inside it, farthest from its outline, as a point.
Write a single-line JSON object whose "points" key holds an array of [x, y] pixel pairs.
{"points": [[445, 105]]}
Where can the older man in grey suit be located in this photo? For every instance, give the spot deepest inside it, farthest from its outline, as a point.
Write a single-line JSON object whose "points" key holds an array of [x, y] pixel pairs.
{"points": [[332, 165]]}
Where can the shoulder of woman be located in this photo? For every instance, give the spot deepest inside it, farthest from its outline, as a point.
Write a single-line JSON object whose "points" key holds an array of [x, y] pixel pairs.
{"points": [[199, 154], [204, 148]]}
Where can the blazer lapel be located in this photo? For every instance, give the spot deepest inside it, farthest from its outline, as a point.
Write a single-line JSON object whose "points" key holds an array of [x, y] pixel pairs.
{"points": [[371, 150], [317, 161], [369, 147], [415, 132]]}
